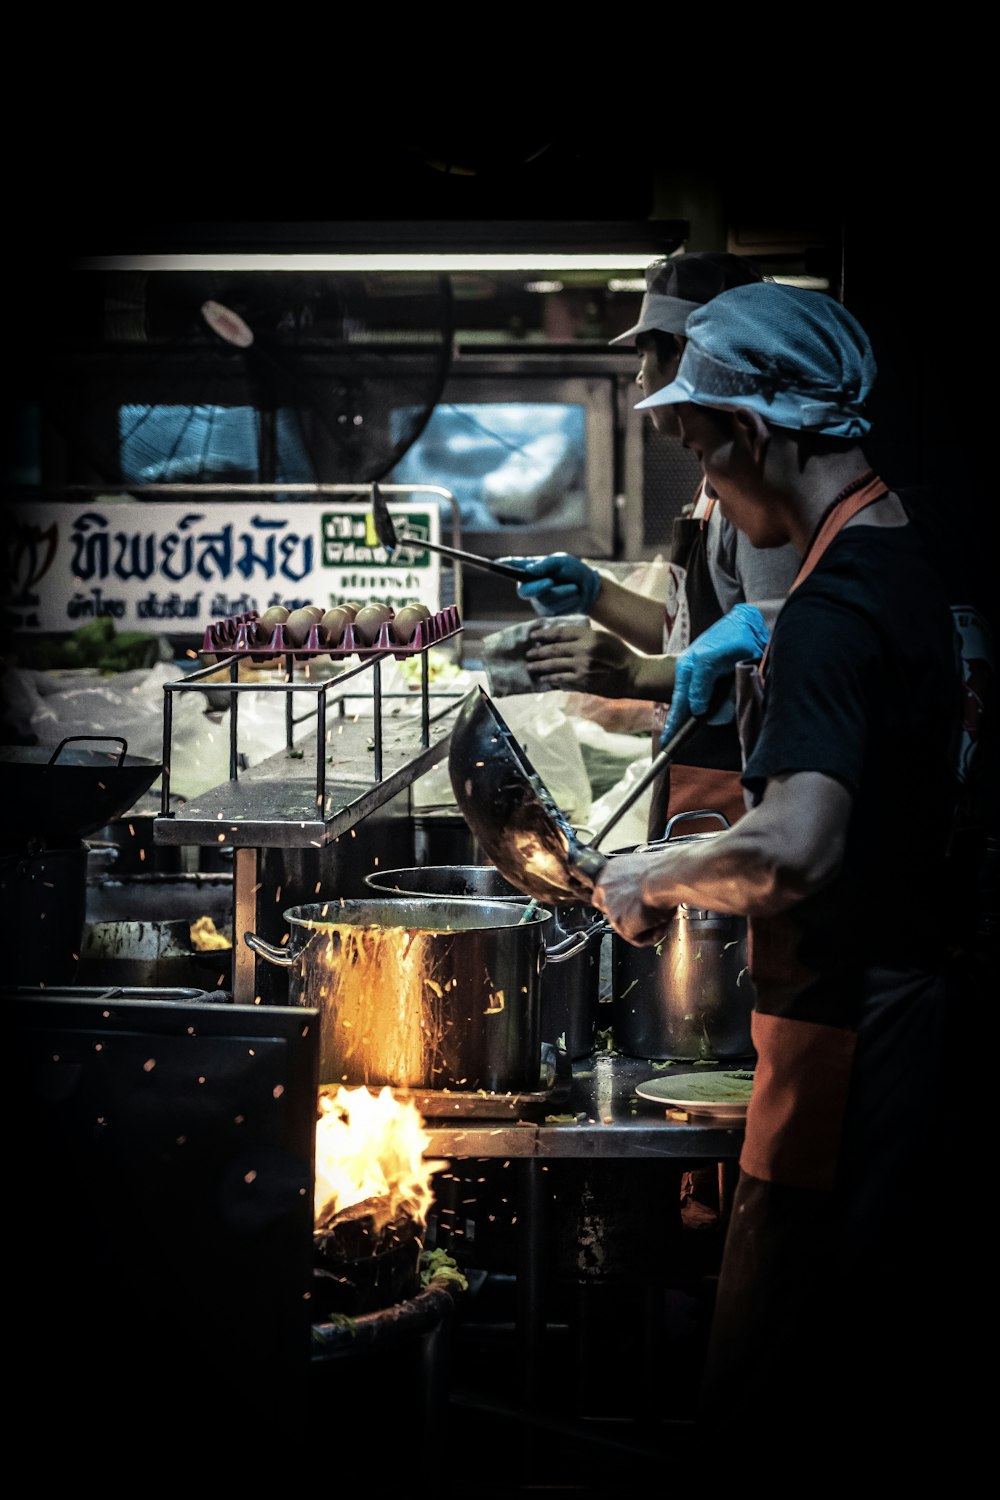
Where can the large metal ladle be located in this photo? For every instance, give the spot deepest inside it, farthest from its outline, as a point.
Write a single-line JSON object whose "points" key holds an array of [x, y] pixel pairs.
{"points": [[512, 814], [385, 531]]}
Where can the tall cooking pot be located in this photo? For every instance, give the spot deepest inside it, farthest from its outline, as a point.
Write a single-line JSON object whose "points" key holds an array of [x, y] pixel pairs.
{"points": [[420, 993], [689, 998], [570, 988]]}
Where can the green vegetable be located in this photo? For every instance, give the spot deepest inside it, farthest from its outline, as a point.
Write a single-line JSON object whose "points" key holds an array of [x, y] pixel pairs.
{"points": [[440, 668], [97, 644], [95, 632], [439, 1266]]}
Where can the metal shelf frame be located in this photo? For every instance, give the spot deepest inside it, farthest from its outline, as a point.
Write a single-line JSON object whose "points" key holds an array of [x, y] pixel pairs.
{"points": [[198, 681], [273, 806]]}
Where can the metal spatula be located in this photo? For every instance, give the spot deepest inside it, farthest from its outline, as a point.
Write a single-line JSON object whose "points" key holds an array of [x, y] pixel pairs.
{"points": [[385, 533]]}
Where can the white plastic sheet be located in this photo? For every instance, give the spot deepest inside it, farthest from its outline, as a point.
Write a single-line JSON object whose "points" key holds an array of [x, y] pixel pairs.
{"points": [[54, 706]]}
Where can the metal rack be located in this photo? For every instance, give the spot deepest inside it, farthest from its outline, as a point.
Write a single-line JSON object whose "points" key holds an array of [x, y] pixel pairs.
{"points": [[371, 661], [291, 800]]}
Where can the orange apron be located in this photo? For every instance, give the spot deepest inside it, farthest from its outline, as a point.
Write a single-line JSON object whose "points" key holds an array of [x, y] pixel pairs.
{"points": [[836, 1236], [796, 1112]]}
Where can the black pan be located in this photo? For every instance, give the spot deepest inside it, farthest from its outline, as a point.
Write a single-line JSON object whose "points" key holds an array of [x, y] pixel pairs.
{"points": [[58, 795], [511, 811]]}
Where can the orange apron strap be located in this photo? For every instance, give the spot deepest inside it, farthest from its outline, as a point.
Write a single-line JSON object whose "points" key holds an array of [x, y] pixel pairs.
{"points": [[869, 489], [838, 517], [796, 1111]]}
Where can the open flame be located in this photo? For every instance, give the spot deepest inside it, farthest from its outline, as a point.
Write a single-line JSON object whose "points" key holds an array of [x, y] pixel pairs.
{"points": [[370, 1149]]}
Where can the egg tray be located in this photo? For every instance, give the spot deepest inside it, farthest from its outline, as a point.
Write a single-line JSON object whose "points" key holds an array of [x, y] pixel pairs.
{"points": [[234, 636]]}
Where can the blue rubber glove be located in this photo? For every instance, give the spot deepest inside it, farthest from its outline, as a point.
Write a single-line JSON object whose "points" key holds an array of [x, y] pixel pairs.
{"points": [[558, 584], [739, 636]]}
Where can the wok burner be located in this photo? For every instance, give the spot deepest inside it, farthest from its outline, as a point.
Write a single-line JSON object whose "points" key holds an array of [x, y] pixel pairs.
{"points": [[365, 1262], [380, 1339]]}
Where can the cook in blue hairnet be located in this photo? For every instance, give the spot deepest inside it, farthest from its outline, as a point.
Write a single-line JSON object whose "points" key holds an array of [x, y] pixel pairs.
{"points": [[844, 867]]}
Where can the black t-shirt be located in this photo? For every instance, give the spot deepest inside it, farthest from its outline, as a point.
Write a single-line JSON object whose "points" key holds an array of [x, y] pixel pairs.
{"points": [[862, 685]]}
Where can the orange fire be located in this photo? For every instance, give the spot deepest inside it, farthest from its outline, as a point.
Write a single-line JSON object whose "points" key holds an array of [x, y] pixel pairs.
{"points": [[370, 1146]]}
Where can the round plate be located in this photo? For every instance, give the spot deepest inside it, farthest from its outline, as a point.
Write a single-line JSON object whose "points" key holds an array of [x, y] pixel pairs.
{"points": [[724, 1096]]}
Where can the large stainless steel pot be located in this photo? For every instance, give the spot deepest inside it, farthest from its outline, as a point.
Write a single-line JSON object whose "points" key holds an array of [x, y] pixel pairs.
{"points": [[570, 989], [689, 998], [420, 993]]}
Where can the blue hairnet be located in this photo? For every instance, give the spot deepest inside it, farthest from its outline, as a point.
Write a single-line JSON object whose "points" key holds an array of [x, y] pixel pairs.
{"points": [[797, 357]]}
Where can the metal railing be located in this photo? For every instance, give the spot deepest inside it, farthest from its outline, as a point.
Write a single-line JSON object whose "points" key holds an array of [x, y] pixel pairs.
{"points": [[198, 681]]}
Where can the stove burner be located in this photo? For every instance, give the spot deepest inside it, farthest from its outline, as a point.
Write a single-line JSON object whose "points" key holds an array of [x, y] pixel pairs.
{"points": [[364, 1261]]}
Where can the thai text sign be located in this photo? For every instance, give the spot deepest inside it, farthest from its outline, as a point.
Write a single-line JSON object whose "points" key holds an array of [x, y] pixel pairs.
{"points": [[175, 567]]}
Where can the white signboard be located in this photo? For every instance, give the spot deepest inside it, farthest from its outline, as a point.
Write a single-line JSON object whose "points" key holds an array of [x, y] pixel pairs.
{"points": [[175, 567]]}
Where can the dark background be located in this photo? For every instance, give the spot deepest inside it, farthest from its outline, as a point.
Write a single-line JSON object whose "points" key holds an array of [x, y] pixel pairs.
{"points": [[879, 192]]}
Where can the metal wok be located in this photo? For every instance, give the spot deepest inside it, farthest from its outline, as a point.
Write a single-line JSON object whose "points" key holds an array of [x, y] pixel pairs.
{"points": [[511, 811], [55, 796]]}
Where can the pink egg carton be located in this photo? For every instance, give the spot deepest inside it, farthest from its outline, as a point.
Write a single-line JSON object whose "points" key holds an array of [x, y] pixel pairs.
{"points": [[239, 635]]}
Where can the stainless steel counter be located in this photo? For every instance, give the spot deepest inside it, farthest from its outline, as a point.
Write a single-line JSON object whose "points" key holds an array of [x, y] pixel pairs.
{"points": [[599, 1115]]}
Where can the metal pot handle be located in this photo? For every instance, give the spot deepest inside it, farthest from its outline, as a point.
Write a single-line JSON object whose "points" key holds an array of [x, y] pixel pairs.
{"points": [[270, 951], [704, 812], [682, 817], [576, 942]]}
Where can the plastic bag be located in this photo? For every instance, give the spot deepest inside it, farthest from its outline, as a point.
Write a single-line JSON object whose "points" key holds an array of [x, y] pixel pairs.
{"points": [[130, 705], [632, 827], [548, 737], [606, 755], [651, 578], [541, 726], [53, 707]]}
